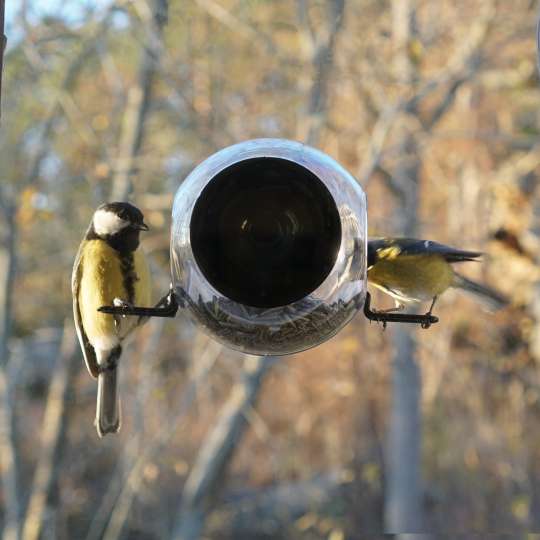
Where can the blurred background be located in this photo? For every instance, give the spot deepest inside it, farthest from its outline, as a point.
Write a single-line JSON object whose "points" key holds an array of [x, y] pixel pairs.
{"points": [[434, 106]]}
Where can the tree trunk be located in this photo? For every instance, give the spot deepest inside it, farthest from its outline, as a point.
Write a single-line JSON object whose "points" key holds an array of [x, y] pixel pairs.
{"points": [[403, 491], [403, 495], [3, 41], [8, 453], [52, 435]]}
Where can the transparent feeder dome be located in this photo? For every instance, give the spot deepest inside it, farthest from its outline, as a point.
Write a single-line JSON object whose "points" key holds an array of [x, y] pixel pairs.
{"points": [[268, 246]]}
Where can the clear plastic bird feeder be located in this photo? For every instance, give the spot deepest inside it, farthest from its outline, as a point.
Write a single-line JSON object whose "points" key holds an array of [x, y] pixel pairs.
{"points": [[268, 246]]}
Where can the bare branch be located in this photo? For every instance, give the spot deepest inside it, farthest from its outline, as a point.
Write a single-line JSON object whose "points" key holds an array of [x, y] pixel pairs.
{"points": [[307, 32], [389, 181], [445, 103], [465, 63], [207, 475], [138, 100], [519, 165], [228, 19], [321, 51], [460, 69], [61, 98], [237, 25], [378, 138]]}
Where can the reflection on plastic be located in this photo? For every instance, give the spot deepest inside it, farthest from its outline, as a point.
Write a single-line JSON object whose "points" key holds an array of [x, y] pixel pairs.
{"points": [[268, 246]]}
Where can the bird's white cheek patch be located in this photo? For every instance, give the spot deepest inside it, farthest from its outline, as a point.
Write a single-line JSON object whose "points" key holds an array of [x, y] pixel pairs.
{"points": [[106, 222]]}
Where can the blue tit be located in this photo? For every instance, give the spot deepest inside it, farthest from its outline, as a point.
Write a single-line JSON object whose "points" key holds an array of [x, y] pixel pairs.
{"points": [[412, 270], [109, 269]]}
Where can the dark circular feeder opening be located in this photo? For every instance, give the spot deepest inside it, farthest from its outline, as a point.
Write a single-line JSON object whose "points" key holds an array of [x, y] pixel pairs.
{"points": [[265, 232]]}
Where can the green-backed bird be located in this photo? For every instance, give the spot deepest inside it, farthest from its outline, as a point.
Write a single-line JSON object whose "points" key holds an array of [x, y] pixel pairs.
{"points": [[412, 270], [109, 269]]}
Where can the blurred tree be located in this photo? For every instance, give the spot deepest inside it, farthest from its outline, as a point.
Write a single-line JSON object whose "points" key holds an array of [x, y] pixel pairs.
{"points": [[404, 510], [461, 121], [139, 96], [3, 42]]}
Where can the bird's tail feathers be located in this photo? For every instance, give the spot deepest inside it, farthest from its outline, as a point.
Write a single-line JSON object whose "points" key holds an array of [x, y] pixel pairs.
{"points": [[108, 403], [493, 299]]}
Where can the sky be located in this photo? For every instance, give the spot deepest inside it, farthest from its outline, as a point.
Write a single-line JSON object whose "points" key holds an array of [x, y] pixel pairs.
{"points": [[72, 11], [68, 9]]}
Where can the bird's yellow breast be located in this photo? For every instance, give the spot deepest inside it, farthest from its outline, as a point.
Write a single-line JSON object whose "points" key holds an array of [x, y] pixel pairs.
{"points": [[416, 277], [103, 280]]}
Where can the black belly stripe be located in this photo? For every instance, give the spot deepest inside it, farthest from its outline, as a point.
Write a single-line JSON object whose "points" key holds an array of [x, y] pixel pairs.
{"points": [[127, 265]]}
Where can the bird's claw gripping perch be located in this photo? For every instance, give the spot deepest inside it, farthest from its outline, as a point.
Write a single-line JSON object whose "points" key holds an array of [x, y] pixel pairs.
{"points": [[425, 321], [118, 302], [166, 307]]}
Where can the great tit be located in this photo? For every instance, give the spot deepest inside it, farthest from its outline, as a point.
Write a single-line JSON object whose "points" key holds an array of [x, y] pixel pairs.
{"points": [[108, 269], [412, 270]]}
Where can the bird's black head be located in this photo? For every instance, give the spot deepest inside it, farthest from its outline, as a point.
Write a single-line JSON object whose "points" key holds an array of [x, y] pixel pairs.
{"points": [[119, 224], [371, 254]]}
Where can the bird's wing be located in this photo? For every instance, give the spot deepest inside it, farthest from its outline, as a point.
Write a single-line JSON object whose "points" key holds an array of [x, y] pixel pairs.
{"points": [[86, 346], [389, 248]]}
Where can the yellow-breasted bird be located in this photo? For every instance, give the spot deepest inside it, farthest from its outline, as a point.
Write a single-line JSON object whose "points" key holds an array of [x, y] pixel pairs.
{"points": [[412, 270], [108, 269]]}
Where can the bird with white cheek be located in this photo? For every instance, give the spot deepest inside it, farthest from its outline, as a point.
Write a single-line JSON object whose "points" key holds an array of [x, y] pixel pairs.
{"points": [[109, 269]]}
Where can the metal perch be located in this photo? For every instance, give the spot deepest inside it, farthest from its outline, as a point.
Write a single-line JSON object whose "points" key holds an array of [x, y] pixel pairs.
{"points": [[425, 321], [168, 307]]}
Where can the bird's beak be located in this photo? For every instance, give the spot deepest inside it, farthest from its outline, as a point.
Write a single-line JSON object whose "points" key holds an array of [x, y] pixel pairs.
{"points": [[143, 227]]}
